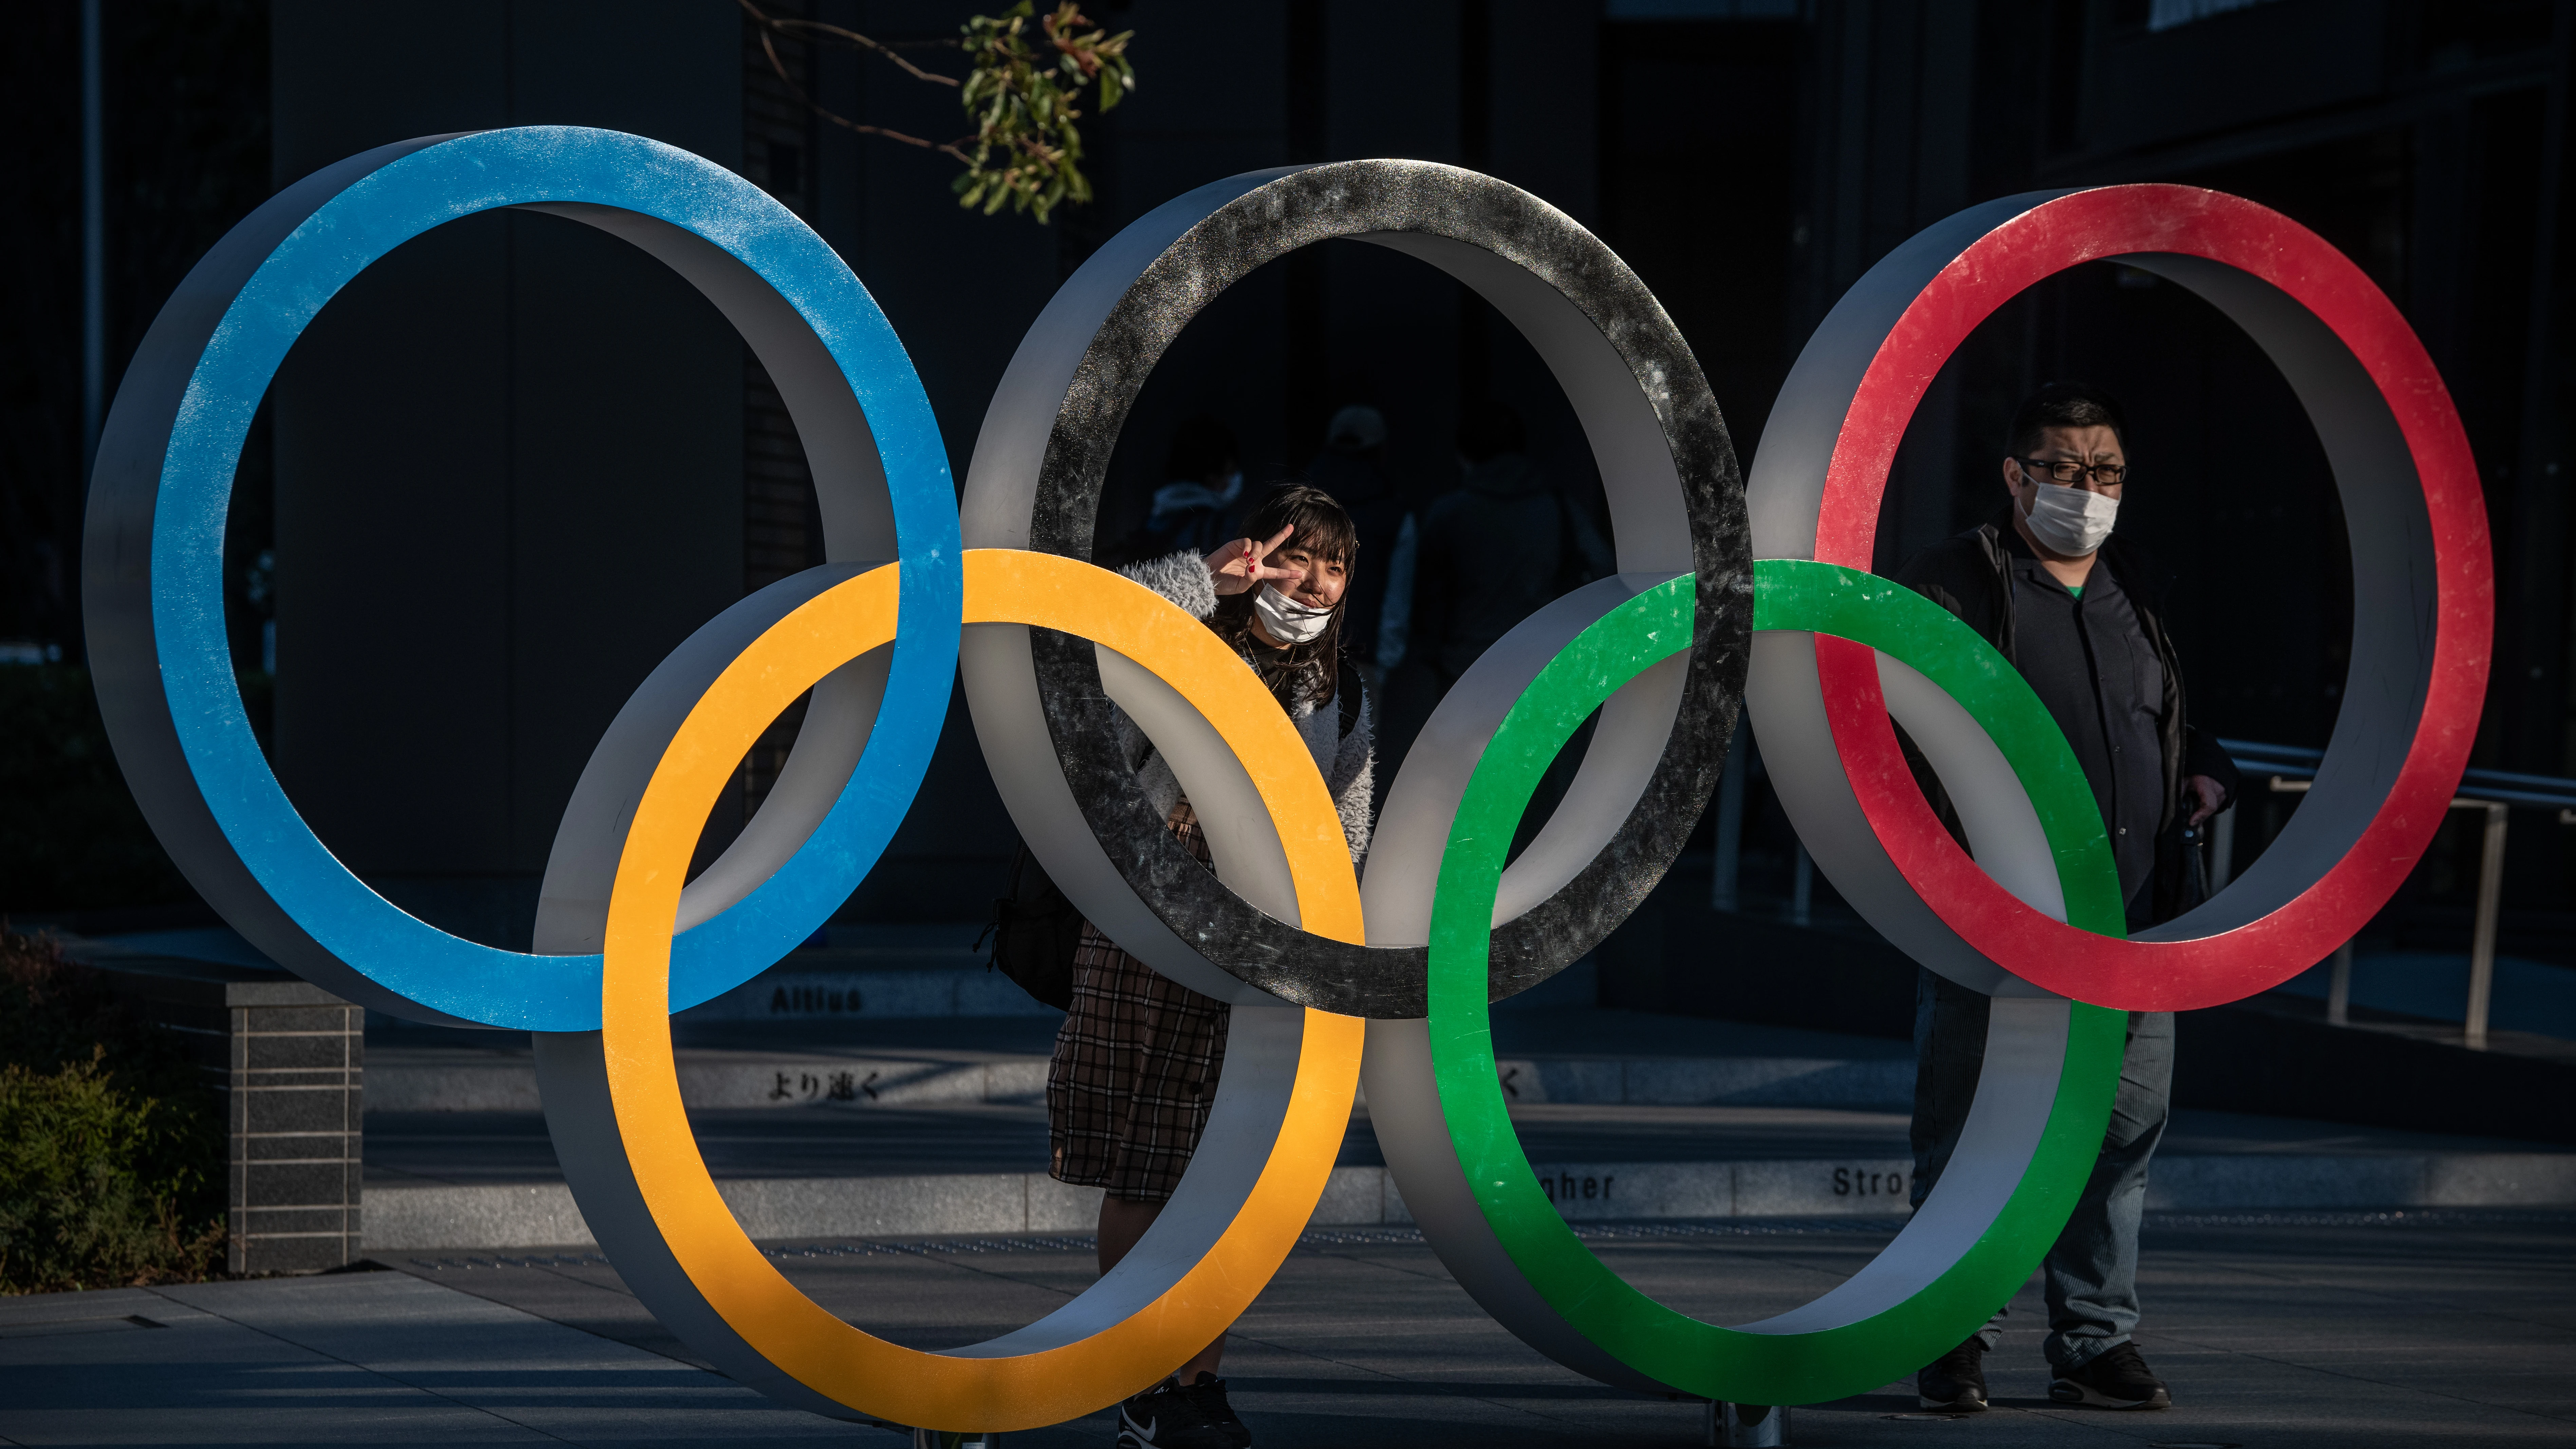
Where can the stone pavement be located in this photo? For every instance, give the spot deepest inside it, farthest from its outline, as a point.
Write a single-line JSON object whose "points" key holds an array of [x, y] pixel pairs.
{"points": [[2278, 1331]]}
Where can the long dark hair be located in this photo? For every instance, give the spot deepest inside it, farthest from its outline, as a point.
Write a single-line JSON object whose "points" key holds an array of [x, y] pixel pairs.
{"points": [[1325, 530]]}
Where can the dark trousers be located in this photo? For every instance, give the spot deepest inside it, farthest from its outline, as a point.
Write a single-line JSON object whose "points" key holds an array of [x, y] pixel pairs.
{"points": [[2091, 1275]]}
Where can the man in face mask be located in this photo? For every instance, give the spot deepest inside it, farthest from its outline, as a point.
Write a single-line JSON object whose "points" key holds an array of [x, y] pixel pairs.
{"points": [[2050, 584]]}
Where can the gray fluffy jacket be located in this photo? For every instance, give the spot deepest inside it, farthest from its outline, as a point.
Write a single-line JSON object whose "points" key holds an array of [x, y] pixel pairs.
{"points": [[1347, 761]]}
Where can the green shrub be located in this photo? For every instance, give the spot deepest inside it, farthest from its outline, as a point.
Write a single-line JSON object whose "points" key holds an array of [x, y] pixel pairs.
{"points": [[90, 1193], [111, 1148]]}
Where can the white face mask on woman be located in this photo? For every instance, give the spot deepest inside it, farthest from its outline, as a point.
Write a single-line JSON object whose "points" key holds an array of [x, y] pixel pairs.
{"points": [[1286, 620], [2071, 521]]}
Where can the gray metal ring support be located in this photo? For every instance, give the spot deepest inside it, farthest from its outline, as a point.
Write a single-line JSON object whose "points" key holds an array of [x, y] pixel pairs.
{"points": [[2392, 633], [1042, 702]]}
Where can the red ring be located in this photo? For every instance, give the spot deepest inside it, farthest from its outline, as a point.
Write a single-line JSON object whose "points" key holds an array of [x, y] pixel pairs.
{"points": [[2049, 238]]}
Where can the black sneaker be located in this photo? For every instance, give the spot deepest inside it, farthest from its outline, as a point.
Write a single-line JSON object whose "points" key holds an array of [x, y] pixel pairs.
{"points": [[1955, 1382], [2115, 1379], [1168, 1416], [1210, 1393]]}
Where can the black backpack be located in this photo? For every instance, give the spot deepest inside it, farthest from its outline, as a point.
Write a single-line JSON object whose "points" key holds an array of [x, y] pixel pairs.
{"points": [[1036, 929]]}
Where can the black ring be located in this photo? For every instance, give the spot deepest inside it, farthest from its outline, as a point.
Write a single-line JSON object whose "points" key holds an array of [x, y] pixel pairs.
{"points": [[1364, 200]]}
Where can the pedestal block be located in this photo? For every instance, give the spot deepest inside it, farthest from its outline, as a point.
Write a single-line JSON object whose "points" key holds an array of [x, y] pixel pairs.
{"points": [[289, 1060]]}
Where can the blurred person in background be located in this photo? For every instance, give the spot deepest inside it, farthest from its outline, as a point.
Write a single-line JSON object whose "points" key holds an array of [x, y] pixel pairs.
{"points": [[1194, 508], [1494, 551]]}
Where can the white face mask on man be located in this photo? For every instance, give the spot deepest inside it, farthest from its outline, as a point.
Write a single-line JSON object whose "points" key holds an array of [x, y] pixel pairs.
{"points": [[2071, 521], [1286, 620]]}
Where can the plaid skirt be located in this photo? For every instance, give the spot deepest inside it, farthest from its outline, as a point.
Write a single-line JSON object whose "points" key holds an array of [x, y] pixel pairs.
{"points": [[1135, 1068]]}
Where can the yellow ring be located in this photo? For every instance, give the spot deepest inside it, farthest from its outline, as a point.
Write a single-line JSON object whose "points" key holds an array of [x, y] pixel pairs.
{"points": [[785, 1327]]}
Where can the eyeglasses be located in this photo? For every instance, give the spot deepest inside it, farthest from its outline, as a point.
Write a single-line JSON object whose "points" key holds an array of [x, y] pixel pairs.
{"points": [[2069, 471]]}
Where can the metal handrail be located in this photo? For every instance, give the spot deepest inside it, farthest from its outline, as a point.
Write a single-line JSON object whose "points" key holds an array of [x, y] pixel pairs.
{"points": [[2293, 769], [2503, 786]]}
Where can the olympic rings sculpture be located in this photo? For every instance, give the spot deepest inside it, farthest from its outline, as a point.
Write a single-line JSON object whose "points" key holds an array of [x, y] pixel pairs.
{"points": [[1333, 978]]}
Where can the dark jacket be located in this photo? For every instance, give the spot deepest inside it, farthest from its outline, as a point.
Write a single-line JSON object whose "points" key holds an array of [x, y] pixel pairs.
{"points": [[1360, 484], [1969, 576], [1492, 553]]}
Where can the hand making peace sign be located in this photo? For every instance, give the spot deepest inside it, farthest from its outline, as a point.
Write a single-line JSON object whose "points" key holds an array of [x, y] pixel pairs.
{"points": [[1237, 566]]}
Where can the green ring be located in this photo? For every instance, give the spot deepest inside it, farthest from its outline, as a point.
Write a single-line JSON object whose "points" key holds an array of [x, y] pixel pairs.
{"points": [[1742, 1365]]}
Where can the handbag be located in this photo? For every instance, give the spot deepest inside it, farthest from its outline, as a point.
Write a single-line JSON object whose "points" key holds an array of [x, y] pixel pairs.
{"points": [[1034, 932]]}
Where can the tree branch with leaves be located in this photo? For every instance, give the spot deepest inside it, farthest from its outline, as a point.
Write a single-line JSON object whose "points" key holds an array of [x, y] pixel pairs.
{"points": [[1023, 90]]}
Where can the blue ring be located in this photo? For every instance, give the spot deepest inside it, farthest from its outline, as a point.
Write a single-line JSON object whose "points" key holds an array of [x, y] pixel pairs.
{"points": [[367, 219]]}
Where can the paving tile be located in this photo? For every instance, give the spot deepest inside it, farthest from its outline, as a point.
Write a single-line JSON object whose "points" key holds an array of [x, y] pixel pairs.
{"points": [[2274, 1338], [366, 1358]]}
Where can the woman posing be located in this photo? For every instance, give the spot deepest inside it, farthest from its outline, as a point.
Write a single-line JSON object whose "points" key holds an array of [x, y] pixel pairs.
{"points": [[1136, 1064]]}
